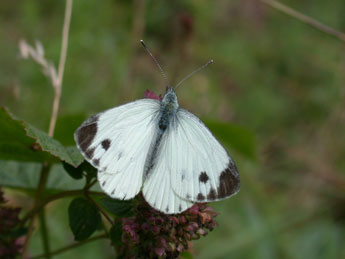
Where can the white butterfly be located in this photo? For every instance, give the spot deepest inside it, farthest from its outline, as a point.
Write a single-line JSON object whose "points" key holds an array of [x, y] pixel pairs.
{"points": [[160, 149]]}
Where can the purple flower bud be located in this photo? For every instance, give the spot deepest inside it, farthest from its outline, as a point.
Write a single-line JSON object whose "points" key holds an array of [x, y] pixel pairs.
{"points": [[152, 95], [159, 251]]}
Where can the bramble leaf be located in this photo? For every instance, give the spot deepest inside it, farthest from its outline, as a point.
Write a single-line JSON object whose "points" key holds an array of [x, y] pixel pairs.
{"points": [[22, 142], [119, 208], [84, 218], [115, 233]]}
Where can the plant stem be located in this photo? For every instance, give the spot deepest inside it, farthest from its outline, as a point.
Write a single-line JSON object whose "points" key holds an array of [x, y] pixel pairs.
{"points": [[54, 197], [101, 210], [42, 182], [44, 233], [305, 19], [57, 82], [66, 248]]}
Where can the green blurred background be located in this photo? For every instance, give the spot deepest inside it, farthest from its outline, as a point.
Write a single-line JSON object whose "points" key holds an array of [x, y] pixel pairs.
{"points": [[274, 96]]}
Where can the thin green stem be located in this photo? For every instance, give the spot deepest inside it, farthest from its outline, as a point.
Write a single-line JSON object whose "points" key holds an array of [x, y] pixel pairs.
{"points": [[66, 248], [42, 182], [101, 210], [44, 233], [54, 197]]}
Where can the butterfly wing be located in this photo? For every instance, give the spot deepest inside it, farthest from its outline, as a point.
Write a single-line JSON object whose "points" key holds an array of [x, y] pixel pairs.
{"points": [[116, 142], [157, 188], [201, 169]]}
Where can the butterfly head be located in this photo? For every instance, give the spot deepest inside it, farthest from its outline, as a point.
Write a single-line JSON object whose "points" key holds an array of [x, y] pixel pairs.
{"points": [[170, 99]]}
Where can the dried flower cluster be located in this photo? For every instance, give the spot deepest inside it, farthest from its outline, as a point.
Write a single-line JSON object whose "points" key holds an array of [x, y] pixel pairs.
{"points": [[10, 245], [152, 234]]}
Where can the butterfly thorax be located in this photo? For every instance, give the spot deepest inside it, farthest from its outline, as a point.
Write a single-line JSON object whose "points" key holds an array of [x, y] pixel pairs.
{"points": [[169, 106]]}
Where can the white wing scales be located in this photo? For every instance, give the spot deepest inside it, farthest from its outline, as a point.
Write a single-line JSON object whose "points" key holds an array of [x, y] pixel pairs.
{"points": [[201, 168], [157, 188], [116, 142]]}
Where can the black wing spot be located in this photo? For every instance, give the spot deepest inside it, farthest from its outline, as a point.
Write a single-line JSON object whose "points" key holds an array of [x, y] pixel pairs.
{"points": [[86, 134], [229, 181], [89, 153], [96, 162], [179, 208], [167, 209], [203, 177], [104, 183], [200, 197], [211, 195], [106, 144], [113, 192]]}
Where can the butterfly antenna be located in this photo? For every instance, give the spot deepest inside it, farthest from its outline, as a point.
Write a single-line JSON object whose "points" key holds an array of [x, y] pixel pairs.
{"points": [[155, 60], [195, 71]]}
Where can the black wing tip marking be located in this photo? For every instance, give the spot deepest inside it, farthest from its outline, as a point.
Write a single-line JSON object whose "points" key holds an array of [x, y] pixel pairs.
{"points": [[229, 184], [85, 134], [229, 181]]}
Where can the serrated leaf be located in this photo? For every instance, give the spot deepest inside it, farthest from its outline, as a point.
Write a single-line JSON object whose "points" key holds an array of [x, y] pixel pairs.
{"points": [[235, 136], [115, 233], [53, 146], [119, 208], [23, 142], [15, 144], [84, 218]]}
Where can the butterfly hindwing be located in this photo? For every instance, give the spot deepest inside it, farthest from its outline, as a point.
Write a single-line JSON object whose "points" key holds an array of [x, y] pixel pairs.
{"points": [[157, 188], [116, 142], [201, 169]]}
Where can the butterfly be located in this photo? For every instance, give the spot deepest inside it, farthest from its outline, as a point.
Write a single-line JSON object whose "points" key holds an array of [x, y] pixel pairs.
{"points": [[159, 148]]}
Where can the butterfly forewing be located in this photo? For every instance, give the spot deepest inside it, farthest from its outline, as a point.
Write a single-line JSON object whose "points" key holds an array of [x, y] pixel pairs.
{"points": [[201, 169], [116, 142]]}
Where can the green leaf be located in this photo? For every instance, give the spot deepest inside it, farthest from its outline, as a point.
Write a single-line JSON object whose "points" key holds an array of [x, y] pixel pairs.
{"points": [[235, 136], [15, 144], [116, 233], [74, 172], [84, 218], [89, 169], [119, 208], [25, 175], [77, 172], [23, 142]]}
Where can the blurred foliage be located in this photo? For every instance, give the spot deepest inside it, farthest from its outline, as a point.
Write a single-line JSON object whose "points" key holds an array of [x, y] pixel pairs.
{"points": [[278, 78]]}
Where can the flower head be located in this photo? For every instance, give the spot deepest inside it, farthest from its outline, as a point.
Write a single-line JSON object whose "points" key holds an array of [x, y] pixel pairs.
{"points": [[152, 95], [10, 244], [155, 234]]}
